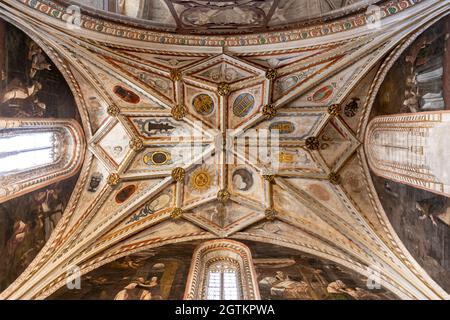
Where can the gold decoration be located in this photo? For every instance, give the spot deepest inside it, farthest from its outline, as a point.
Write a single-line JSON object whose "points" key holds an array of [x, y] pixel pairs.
{"points": [[178, 174], [223, 89], [334, 178], [334, 110], [269, 111], [200, 180], [271, 74], [136, 144], [203, 104], [223, 195], [176, 75], [351, 108], [286, 157], [113, 110], [113, 179], [312, 143], [179, 112], [176, 213], [270, 214], [269, 177], [157, 158]]}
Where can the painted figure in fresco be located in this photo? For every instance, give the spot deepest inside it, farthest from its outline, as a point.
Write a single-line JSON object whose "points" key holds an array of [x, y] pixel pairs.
{"points": [[388, 188], [432, 208], [19, 100], [411, 102], [20, 230], [124, 294], [149, 289], [282, 286], [425, 75], [50, 207], [38, 60], [140, 289], [337, 290]]}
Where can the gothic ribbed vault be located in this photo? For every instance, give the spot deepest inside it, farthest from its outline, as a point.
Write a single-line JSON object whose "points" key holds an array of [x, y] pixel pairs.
{"points": [[165, 116]]}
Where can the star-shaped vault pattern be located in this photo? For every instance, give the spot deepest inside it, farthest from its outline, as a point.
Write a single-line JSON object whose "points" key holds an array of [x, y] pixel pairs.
{"points": [[172, 134]]}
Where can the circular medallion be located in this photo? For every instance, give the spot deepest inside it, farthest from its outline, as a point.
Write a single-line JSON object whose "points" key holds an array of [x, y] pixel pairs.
{"points": [[203, 104], [243, 104], [201, 181], [242, 179]]}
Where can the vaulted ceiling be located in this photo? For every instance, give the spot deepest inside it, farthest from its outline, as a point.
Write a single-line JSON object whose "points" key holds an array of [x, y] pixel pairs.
{"points": [[164, 113], [208, 17]]}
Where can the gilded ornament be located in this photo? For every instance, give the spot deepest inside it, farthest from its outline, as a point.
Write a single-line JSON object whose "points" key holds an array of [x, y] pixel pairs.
{"points": [[136, 144], [179, 112], [270, 214], [269, 111], [223, 195], [178, 174], [113, 179], [334, 110], [334, 178], [271, 74], [113, 110], [312, 143], [176, 213], [176, 75], [223, 89]]}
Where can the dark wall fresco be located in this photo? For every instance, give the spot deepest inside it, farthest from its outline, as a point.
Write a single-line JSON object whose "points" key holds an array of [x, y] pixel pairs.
{"points": [[419, 81], [421, 220], [26, 223], [158, 274], [288, 274], [282, 274], [30, 86]]}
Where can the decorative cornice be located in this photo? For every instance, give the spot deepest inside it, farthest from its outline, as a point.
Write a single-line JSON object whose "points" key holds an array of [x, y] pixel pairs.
{"points": [[389, 8]]}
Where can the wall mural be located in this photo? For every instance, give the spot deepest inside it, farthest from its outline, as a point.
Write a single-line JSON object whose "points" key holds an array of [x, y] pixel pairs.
{"points": [[419, 81], [30, 87], [285, 274], [26, 223], [161, 273], [155, 274]]}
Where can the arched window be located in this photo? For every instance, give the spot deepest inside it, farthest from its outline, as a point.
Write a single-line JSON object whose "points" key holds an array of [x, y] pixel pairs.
{"points": [[21, 151], [223, 280], [222, 270], [37, 152]]}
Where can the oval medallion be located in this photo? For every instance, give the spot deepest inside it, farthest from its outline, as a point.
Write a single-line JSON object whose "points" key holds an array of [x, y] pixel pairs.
{"points": [[243, 104], [284, 127], [126, 95], [124, 194], [323, 93], [157, 158]]}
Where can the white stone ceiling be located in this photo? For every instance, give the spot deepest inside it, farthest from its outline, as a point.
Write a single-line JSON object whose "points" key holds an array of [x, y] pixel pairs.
{"points": [[163, 124]]}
